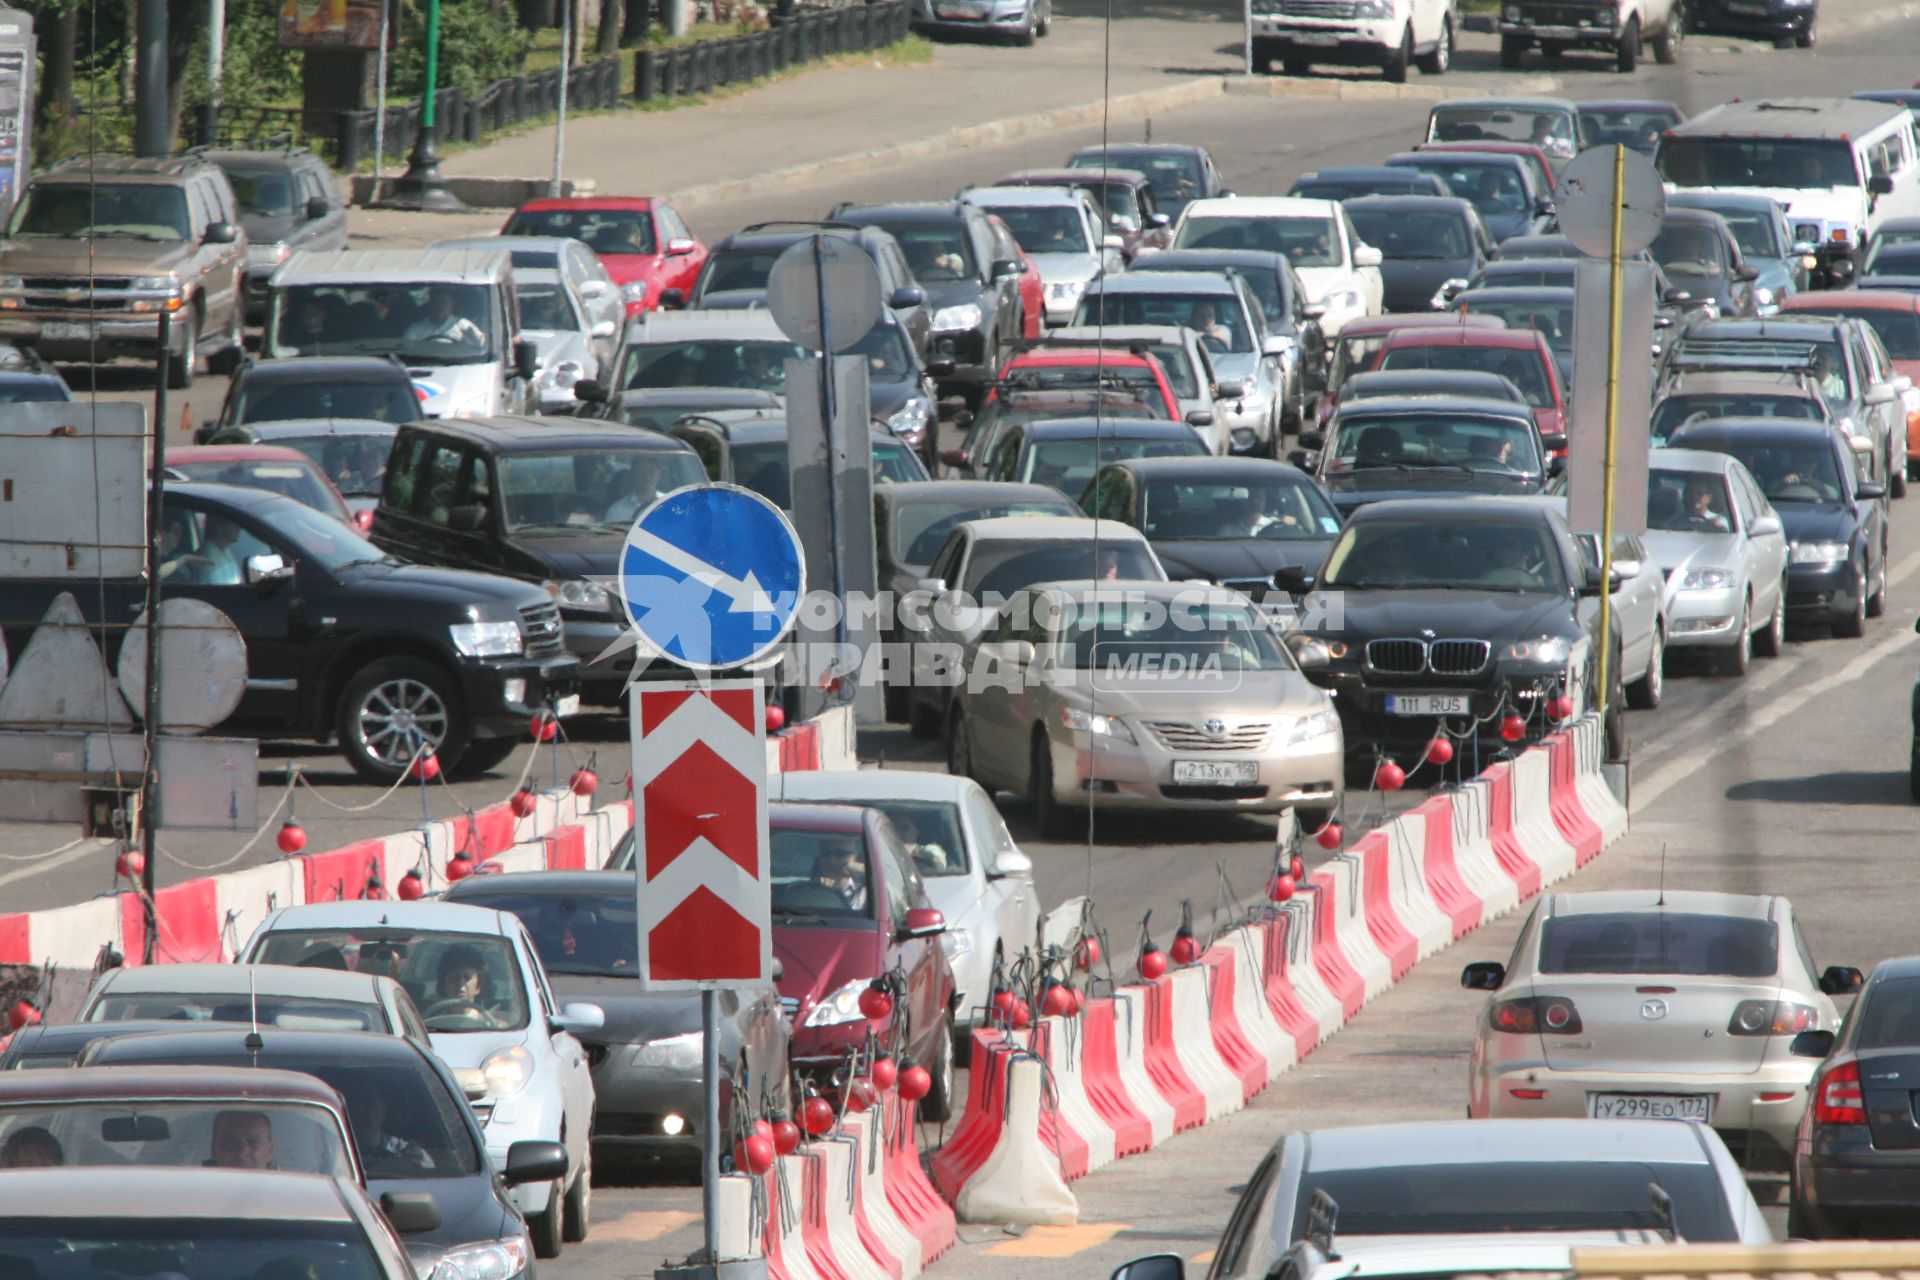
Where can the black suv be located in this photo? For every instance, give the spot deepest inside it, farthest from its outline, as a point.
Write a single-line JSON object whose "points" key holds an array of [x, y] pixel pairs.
{"points": [[1437, 613], [375, 388], [288, 202], [546, 500], [342, 641], [971, 272], [735, 275]]}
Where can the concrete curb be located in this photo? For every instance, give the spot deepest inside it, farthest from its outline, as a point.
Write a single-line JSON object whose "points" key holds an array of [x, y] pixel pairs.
{"points": [[482, 193]]}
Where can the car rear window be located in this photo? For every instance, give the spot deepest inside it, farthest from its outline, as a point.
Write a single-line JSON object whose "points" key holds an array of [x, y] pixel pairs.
{"points": [[1890, 1018], [209, 1248], [105, 1133], [1453, 1199], [1660, 942], [1521, 366], [294, 1012]]}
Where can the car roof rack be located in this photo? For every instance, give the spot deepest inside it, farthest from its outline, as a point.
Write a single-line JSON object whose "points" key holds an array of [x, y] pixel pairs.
{"points": [[1055, 342], [1737, 353], [815, 224]]}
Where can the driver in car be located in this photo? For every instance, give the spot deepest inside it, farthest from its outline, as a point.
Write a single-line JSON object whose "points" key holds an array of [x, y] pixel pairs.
{"points": [[445, 324], [1703, 508], [461, 983]]}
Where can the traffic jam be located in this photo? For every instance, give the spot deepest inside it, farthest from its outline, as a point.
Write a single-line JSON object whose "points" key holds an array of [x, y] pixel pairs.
{"points": [[1251, 591]]}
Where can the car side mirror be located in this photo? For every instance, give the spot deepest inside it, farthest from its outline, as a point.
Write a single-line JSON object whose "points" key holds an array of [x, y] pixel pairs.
{"points": [[1483, 975], [1880, 393], [1313, 440], [580, 1017], [1811, 1044], [363, 520], [1556, 467], [1590, 580], [779, 969], [526, 358], [1310, 654], [955, 457], [1302, 459], [1199, 418], [603, 329], [1841, 979], [1229, 389], [590, 390], [942, 368], [673, 299], [1764, 526], [1868, 491], [471, 518], [1663, 322], [1676, 296], [220, 233], [593, 288], [1627, 568], [1553, 441], [411, 1213], [534, 1160], [1747, 272], [1880, 184], [1006, 268], [679, 247], [1158, 1266], [1010, 862], [1159, 220], [1114, 243], [907, 295], [267, 568], [934, 586], [1365, 255], [1313, 311], [922, 922], [1543, 206], [1294, 579], [1616, 576], [317, 208], [1275, 346]]}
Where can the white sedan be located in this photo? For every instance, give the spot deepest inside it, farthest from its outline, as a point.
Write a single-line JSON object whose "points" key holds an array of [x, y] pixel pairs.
{"points": [[1339, 270], [490, 1015], [1723, 551], [973, 871]]}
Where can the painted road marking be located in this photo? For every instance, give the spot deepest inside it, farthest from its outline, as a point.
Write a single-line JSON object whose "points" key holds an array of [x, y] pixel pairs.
{"points": [[643, 1225], [1058, 1242]]}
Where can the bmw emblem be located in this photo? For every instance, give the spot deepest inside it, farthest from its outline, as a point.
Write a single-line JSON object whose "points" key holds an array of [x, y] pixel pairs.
{"points": [[1654, 1010], [1216, 728]]}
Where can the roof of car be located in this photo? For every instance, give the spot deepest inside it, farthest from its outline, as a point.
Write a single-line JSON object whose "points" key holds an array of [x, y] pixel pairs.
{"points": [[1846, 301], [1143, 148], [529, 433], [1520, 101], [240, 979], [1168, 335], [1790, 118], [327, 369], [1413, 204], [1157, 282], [1807, 328], [761, 430], [1535, 1141], [905, 211], [1746, 906], [1373, 326], [1691, 217], [992, 492], [1698, 198], [1050, 357], [864, 785], [182, 1193], [1024, 196], [1691, 460], [1489, 1253], [1478, 155], [277, 159], [1074, 177], [541, 882], [1331, 171], [1449, 510], [1108, 429], [692, 326], [507, 244], [1053, 528], [185, 453], [1464, 336], [1427, 382], [289, 428], [67, 1039], [1131, 589], [1712, 381], [229, 1043], [777, 234], [1246, 207], [1208, 468], [148, 1083], [426, 915], [1628, 104], [1427, 406], [1515, 293], [1704, 433], [393, 266], [1210, 260], [636, 204], [1897, 967], [816, 817]]}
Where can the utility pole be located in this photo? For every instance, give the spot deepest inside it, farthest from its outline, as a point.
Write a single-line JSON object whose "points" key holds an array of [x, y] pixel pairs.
{"points": [[150, 132], [422, 187]]}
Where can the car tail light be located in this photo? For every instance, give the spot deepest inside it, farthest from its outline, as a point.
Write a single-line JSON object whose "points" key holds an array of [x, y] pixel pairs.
{"points": [[1837, 1098], [1772, 1018], [1531, 1014]]}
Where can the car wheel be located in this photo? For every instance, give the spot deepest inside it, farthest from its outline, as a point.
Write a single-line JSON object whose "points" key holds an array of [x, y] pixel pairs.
{"points": [[577, 1216], [233, 348], [1913, 771], [1854, 622], [1437, 62], [1807, 38], [1262, 62], [1877, 598], [1044, 27], [1511, 50], [1295, 66], [1049, 815], [1615, 729], [1026, 38], [1395, 71], [923, 721], [1896, 477], [896, 703], [181, 368], [483, 754], [959, 745], [1644, 694], [390, 709], [1627, 56], [937, 1106], [1738, 656], [544, 1228], [1551, 51], [1772, 642]]}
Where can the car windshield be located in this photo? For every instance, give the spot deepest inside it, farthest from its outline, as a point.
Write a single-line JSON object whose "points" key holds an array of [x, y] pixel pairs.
{"points": [[1554, 130], [305, 1013], [937, 252], [820, 874], [461, 981], [1494, 187], [603, 230], [1018, 409], [574, 933], [320, 537], [1308, 241], [1679, 942], [1117, 639], [1176, 177], [1179, 368], [1754, 231], [889, 357], [1216, 317], [931, 831], [108, 210], [1275, 509], [1527, 273], [1552, 320], [730, 269], [1415, 234], [1450, 441], [1788, 473], [1688, 502], [1002, 568], [1450, 1198], [1636, 127], [1893, 259], [238, 1133], [1689, 249], [547, 306], [33, 391], [894, 462], [440, 324], [1351, 354], [1135, 375], [1052, 228], [266, 193], [1890, 1015], [1899, 331], [1796, 163], [920, 527], [101, 1247], [1068, 465], [590, 489], [299, 480], [285, 399], [357, 464], [1676, 411], [742, 364], [1454, 555], [1521, 366]]}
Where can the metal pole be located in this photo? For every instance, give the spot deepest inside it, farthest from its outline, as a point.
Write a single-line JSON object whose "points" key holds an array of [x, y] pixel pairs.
{"points": [[422, 186], [827, 409], [1613, 424], [150, 714], [710, 1121], [150, 139], [380, 101], [216, 38], [560, 125]]}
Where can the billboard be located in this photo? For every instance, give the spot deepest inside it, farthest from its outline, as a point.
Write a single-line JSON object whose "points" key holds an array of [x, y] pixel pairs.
{"points": [[16, 120], [330, 24]]}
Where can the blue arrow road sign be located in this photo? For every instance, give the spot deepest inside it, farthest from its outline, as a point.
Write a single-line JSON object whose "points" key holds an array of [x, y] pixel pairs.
{"points": [[712, 576]]}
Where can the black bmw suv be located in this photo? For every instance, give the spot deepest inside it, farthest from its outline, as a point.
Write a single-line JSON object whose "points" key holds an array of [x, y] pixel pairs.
{"points": [[1456, 613]]}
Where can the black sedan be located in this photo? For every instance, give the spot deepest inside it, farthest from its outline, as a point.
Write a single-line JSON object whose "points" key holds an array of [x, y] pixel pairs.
{"points": [[376, 387], [1178, 173], [1836, 523], [1233, 521], [1629, 122], [1502, 187], [1785, 22], [1442, 612], [1856, 1156], [1424, 446], [1425, 242], [647, 1058], [1066, 452], [25, 378], [1350, 181], [1697, 250]]}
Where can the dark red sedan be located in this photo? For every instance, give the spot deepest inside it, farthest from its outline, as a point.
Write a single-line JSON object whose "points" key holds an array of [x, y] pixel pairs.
{"points": [[1520, 355], [644, 244]]}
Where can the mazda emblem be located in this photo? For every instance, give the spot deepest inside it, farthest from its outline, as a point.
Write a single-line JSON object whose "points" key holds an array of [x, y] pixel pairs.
{"points": [[1654, 1010]]}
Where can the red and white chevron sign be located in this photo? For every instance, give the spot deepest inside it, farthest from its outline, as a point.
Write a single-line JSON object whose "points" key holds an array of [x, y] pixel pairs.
{"points": [[700, 832]]}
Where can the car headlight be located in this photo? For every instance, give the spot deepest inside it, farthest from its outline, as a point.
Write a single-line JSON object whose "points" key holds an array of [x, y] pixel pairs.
{"points": [[1373, 9], [1317, 725], [1763, 297], [965, 316], [486, 639], [1443, 296], [1705, 579], [841, 1007], [1819, 552], [958, 943], [154, 284], [634, 291], [579, 593], [911, 418], [12, 284], [1341, 299], [1089, 722], [1544, 651], [680, 1053], [563, 375], [507, 1070], [490, 1260]]}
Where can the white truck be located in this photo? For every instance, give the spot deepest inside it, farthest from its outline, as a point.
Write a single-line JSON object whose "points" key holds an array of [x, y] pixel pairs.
{"points": [[1624, 27], [1390, 34]]}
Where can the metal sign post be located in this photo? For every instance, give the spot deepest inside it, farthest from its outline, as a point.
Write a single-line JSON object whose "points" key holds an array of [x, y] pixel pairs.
{"points": [[560, 125]]}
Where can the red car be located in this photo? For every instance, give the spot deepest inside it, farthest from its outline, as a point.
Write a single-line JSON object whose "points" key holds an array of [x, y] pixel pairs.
{"points": [[1893, 314], [1065, 366], [276, 468], [1520, 355], [1033, 291], [848, 907], [645, 246], [1359, 343]]}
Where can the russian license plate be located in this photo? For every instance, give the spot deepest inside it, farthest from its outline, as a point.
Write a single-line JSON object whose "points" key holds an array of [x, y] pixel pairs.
{"points": [[1216, 773], [1747, 8], [568, 705], [1426, 704], [1316, 39], [965, 12], [1691, 1108], [65, 331]]}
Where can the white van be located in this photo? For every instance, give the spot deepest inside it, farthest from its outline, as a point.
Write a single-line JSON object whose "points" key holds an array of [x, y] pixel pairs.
{"points": [[1839, 166], [450, 315]]}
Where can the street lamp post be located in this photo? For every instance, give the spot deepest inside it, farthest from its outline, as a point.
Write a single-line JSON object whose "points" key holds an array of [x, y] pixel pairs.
{"points": [[421, 186]]}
